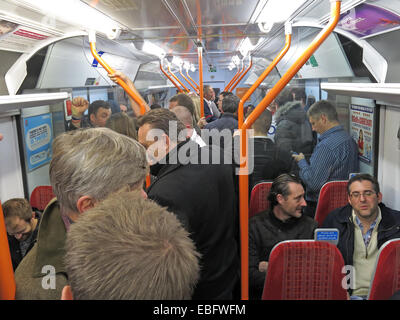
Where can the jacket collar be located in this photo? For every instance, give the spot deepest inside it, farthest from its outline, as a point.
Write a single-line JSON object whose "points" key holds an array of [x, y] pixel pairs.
{"points": [[50, 240]]}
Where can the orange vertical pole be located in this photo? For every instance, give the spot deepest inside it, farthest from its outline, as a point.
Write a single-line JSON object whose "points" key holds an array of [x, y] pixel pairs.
{"points": [[7, 282], [139, 100], [187, 80], [170, 79], [261, 78], [200, 54], [176, 78], [242, 76], [194, 82], [243, 173]]}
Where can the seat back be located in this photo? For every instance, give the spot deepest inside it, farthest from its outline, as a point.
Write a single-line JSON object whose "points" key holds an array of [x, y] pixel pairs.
{"points": [[386, 276], [304, 270], [41, 196], [258, 198], [333, 195]]}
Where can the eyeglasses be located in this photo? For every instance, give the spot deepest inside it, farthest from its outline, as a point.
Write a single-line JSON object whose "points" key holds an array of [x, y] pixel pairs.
{"points": [[367, 193]]}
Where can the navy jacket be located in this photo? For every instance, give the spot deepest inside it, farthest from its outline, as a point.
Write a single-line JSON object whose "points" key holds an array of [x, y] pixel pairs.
{"points": [[389, 228]]}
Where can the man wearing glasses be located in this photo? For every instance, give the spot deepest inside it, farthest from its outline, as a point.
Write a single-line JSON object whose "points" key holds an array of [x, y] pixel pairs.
{"points": [[364, 225]]}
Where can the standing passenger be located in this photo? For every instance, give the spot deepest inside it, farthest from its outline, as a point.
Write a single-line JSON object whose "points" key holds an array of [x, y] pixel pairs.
{"points": [[200, 193], [86, 167], [334, 157]]}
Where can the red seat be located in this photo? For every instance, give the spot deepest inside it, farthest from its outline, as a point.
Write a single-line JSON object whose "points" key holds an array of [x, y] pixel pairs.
{"points": [[41, 196], [258, 198], [304, 270], [333, 195], [386, 276]]}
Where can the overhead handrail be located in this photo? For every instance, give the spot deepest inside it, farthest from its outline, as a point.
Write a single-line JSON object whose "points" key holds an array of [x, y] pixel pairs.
{"points": [[261, 78], [194, 82], [137, 98], [170, 79], [176, 78], [237, 75], [243, 173], [187, 80], [7, 282], [242, 76]]}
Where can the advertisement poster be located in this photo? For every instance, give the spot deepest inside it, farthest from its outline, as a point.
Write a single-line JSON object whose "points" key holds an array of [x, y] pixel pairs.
{"points": [[367, 20], [38, 140], [18, 38], [362, 130]]}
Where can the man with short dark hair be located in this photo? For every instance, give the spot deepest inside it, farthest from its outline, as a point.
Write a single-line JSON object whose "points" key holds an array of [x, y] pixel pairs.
{"points": [[98, 114], [200, 192], [211, 111], [334, 157], [364, 225], [22, 224], [283, 221], [228, 119]]}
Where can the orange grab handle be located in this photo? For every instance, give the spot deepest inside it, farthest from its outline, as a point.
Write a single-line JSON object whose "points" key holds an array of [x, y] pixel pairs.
{"points": [[170, 79], [187, 80], [122, 83], [262, 77], [233, 79], [200, 56], [176, 78], [7, 282], [242, 76], [243, 177], [194, 82]]}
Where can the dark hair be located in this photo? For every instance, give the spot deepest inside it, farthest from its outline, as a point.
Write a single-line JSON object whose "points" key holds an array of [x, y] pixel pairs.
{"points": [[160, 119], [225, 93], [362, 177], [280, 185], [17, 207], [283, 97], [96, 105], [155, 106], [230, 104], [184, 100]]}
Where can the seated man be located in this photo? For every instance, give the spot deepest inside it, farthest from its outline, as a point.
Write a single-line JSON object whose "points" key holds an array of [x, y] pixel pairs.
{"points": [[283, 221], [146, 255], [86, 167], [22, 226], [364, 225]]}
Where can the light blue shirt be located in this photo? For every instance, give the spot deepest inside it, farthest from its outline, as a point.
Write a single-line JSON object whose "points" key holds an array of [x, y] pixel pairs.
{"points": [[335, 156]]}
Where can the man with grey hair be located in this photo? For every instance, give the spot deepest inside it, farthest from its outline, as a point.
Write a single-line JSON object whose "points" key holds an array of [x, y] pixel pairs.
{"points": [[334, 157], [154, 256], [86, 167]]}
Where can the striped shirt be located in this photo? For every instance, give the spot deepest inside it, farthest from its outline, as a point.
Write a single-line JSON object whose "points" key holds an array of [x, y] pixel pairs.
{"points": [[335, 156]]}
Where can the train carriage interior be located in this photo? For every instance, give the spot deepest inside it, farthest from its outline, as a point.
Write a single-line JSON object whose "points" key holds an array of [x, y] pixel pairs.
{"points": [[171, 46]]}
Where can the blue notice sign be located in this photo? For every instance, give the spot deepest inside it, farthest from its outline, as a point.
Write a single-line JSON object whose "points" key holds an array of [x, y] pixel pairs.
{"points": [[330, 235], [38, 140]]}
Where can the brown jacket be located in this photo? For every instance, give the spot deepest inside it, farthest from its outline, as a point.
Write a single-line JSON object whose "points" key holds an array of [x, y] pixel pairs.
{"points": [[34, 282]]}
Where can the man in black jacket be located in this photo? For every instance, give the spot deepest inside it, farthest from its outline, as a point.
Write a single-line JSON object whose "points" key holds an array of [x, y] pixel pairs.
{"points": [[201, 194], [284, 221], [364, 225], [22, 225]]}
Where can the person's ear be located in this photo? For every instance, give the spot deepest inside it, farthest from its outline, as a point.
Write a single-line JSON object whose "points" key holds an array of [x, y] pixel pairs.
{"points": [[279, 198], [66, 293], [379, 195], [85, 203]]}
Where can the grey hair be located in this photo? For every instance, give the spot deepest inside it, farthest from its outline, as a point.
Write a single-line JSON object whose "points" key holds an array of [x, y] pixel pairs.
{"points": [[323, 107], [94, 162], [146, 254], [230, 103]]}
